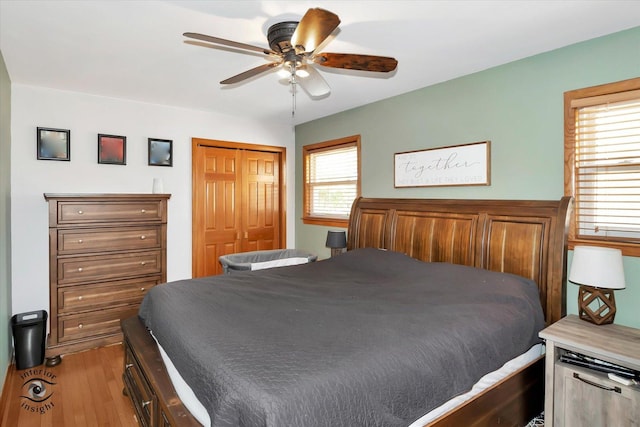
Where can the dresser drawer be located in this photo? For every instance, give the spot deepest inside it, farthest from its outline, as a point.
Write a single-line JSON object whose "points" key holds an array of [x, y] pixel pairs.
{"points": [[138, 388], [610, 403], [101, 295], [92, 212], [93, 324], [100, 267], [108, 239]]}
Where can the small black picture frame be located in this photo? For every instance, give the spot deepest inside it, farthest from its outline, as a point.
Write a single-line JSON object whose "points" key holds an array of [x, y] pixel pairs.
{"points": [[160, 152], [112, 149], [53, 144]]}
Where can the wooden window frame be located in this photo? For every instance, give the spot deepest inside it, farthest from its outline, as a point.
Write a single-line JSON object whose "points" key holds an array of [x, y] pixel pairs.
{"points": [[571, 104], [307, 218]]}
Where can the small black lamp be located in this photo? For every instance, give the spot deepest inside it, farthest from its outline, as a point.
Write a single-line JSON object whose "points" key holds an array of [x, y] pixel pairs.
{"points": [[337, 241]]}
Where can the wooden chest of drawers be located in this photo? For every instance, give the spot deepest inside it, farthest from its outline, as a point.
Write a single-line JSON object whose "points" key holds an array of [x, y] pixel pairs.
{"points": [[105, 252]]}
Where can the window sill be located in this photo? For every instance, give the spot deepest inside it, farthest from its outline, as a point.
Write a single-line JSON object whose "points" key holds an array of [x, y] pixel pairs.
{"points": [[628, 249], [330, 222]]}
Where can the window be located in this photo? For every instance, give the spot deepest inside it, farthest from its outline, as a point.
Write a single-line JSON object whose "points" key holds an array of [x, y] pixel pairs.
{"points": [[331, 172], [602, 165]]}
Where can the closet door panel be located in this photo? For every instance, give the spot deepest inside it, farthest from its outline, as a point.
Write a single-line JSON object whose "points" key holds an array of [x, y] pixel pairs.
{"points": [[260, 204], [217, 197]]}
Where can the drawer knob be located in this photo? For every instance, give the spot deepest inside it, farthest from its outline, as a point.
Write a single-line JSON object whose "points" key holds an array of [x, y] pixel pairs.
{"points": [[142, 289], [143, 263], [143, 211], [128, 365], [80, 298], [79, 240], [80, 269], [80, 212], [143, 237], [80, 326]]}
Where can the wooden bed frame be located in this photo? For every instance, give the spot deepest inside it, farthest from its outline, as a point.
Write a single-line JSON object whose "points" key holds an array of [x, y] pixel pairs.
{"points": [[527, 238]]}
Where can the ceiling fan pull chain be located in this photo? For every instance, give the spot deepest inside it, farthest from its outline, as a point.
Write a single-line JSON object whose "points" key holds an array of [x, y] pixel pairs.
{"points": [[293, 90]]}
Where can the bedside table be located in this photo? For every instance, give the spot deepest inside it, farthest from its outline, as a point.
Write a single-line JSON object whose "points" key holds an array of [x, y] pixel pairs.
{"points": [[577, 396]]}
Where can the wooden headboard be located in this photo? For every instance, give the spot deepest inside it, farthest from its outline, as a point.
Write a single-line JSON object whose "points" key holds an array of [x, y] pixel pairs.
{"points": [[523, 237]]}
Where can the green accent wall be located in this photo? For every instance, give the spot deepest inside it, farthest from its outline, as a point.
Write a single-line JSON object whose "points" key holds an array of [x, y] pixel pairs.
{"points": [[517, 106], [5, 220]]}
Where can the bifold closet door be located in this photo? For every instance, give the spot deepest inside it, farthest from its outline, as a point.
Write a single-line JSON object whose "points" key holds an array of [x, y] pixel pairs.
{"points": [[236, 204]]}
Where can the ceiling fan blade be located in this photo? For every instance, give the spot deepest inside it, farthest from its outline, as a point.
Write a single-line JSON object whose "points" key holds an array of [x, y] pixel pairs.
{"points": [[315, 26], [230, 43], [382, 64], [314, 84], [250, 73]]}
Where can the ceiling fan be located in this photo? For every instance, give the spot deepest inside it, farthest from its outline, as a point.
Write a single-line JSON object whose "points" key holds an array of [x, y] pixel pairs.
{"points": [[295, 46]]}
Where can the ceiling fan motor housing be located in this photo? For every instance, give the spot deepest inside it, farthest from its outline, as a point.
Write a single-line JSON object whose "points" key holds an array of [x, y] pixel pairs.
{"points": [[279, 36]]}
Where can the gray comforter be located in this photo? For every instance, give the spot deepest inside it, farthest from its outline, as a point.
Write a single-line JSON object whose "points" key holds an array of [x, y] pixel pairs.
{"points": [[368, 338]]}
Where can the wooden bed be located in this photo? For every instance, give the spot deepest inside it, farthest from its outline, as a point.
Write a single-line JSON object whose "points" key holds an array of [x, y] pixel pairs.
{"points": [[527, 238]]}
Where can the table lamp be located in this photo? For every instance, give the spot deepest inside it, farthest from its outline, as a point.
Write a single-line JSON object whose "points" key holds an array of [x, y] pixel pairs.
{"points": [[337, 241], [598, 271]]}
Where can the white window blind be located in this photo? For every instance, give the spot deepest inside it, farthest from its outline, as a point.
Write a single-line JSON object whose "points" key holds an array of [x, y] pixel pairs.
{"points": [[607, 168], [332, 181]]}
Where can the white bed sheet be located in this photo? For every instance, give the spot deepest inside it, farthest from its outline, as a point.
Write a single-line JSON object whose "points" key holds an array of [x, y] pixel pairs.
{"points": [[199, 412]]}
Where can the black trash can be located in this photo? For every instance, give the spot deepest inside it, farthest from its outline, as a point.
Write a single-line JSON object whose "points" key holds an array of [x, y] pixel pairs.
{"points": [[29, 333]]}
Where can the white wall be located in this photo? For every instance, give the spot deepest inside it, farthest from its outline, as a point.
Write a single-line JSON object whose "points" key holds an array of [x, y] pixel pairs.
{"points": [[86, 116], [5, 220]]}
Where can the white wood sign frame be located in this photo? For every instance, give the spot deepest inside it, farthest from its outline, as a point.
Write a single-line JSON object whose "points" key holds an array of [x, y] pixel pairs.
{"points": [[456, 165]]}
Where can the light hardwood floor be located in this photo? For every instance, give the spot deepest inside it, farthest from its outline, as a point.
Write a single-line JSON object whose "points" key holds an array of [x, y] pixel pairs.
{"points": [[86, 391]]}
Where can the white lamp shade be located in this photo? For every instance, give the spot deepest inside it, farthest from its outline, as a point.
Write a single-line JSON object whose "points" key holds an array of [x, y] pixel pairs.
{"points": [[597, 267]]}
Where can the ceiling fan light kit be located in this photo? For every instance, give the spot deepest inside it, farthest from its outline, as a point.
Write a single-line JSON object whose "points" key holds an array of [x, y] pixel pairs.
{"points": [[293, 46]]}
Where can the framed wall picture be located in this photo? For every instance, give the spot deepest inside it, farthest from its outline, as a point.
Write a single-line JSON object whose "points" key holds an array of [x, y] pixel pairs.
{"points": [[467, 164], [54, 144], [160, 152], [112, 149]]}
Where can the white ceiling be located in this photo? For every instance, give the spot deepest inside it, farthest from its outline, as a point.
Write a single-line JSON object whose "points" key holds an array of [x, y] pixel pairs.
{"points": [[135, 49]]}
